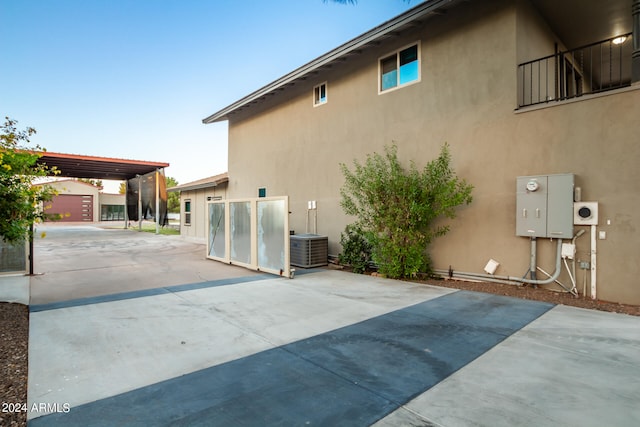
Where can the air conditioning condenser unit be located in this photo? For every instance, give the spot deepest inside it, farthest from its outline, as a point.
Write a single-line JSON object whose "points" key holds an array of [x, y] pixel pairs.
{"points": [[308, 250]]}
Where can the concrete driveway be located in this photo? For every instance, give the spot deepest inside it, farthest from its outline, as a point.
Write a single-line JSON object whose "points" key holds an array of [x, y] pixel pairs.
{"points": [[134, 329]]}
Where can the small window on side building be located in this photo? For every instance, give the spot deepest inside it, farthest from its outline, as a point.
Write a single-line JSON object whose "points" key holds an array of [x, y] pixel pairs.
{"points": [[187, 212]]}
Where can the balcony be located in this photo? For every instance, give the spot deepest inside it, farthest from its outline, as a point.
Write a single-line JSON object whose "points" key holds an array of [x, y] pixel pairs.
{"points": [[590, 69]]}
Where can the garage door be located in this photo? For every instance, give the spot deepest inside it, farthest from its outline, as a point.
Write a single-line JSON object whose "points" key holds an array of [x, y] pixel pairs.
{"points": [[72, 208]]}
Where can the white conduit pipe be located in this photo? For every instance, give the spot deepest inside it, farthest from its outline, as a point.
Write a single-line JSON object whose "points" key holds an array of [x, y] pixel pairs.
{"points": [[476, 276], [573, 280], [573, 260], [473, 276], [593, 262], [557, 281], [510, 279]]}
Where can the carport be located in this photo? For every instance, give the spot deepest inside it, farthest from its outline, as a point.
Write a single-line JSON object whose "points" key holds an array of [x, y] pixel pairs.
{"points": [[14, 282], [92, 167]]}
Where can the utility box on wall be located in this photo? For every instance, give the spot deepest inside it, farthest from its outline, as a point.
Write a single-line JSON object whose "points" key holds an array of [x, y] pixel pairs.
{"points": [[544, 206]]}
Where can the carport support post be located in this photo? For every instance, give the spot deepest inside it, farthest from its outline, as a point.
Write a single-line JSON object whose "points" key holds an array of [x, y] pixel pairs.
{"points": [[126, 205], [31, 250], [139, 203], [157, 201]]}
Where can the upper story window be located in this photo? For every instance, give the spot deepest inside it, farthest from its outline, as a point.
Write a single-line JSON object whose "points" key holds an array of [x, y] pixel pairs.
{"points": [[400, 68], [320, 94]]}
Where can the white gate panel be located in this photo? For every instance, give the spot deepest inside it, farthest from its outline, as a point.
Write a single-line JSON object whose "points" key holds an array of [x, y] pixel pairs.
{"points": [[253, 233], [216, 226]]}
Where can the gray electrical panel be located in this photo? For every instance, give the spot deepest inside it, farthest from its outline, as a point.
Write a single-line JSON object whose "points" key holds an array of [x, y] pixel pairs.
{"points": [[544, 206]]}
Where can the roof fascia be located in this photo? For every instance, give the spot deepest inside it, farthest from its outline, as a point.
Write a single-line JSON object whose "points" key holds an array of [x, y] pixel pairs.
{"points": [[200, 186]]}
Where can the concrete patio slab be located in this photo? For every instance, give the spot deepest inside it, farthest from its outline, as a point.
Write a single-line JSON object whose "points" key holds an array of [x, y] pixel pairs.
{"points": [[181, 340], [570, 367], [85, 261], [92, 351]]}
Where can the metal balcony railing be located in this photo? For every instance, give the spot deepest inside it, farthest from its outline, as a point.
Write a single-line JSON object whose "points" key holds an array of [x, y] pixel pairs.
{"points": [[598, 67]]}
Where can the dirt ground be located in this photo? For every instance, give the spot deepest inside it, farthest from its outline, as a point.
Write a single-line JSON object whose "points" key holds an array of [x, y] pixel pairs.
{"points": [[14, 337], [14, 342], [538, 294]]}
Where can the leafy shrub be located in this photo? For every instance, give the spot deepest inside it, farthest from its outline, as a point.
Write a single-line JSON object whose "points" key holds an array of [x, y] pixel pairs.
{"points": [[20, 200], [397, 208], [356, 249]]}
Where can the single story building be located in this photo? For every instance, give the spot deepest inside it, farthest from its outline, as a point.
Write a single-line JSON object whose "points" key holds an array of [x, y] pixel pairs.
{"points": [[79, 201], [193, 204]]}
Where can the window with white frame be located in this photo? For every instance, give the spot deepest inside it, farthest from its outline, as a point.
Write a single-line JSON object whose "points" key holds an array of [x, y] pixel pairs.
{"points": [[187, 212], [400, 68], [320, 94]]}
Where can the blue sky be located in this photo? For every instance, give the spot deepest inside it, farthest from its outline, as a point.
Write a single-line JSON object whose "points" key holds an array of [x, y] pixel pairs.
{"points": [[134, 78]]}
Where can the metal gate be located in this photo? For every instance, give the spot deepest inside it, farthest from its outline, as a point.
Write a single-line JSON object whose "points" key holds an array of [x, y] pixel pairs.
{"points": [[252, 233]]}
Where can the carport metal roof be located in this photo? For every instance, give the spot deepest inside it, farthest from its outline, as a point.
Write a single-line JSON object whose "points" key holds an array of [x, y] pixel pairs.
{"points": [[79, 166]]}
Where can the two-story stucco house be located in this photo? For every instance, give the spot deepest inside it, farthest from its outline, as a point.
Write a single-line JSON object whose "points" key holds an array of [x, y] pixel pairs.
{"points": [[517, 88]]}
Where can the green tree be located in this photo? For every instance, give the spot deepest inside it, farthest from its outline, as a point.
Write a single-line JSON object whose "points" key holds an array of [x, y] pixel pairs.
{"points": [[91, 181], [20, 201], [397, 209], [173, 198]]}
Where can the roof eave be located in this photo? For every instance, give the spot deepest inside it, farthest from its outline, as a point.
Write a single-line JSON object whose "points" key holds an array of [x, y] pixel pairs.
{"points": [[193, 187], [370, 36], [200, 185]]}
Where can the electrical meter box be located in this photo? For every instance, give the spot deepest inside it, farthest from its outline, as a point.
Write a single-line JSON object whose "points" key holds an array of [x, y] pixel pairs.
{"points": [[544, 206]]}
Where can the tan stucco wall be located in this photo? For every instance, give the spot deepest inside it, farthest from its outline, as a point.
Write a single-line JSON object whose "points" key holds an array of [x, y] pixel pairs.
{"points": [[466, 97], [535, 38], [197, 229], [112, 199]]}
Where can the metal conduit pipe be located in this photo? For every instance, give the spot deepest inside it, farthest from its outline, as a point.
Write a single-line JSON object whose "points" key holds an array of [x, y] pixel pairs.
{"points": [[507, 279], [533, 260], [462, 276], [477, 276]]}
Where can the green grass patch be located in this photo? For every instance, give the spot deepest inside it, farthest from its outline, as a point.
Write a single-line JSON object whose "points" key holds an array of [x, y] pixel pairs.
{"points": [[151, 228]]}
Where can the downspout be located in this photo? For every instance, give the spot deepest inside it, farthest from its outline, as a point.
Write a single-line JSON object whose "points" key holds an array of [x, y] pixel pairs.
{"points": [[593, 262], [509, 279]]}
